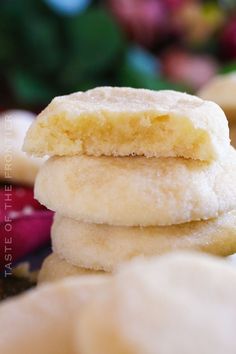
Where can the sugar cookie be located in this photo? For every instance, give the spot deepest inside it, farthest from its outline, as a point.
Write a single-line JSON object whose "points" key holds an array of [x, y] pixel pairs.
{"points": [[126, 121], [179, 303], [105, 247], [55, 268], [131, 191]]}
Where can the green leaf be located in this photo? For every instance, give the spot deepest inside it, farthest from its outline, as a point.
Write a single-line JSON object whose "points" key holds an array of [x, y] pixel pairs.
{"points": [[40, 40], [94, 41], [33, 35], [29, 89], [228, 68]]}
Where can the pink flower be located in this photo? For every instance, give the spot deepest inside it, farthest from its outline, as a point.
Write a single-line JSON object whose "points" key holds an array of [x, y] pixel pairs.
{"points": [[188, 69], [24, 224], [228, 40], [144, 20]]}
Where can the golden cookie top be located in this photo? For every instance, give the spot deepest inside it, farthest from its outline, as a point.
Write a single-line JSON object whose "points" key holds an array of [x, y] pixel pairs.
{"points": [[117, 121]]}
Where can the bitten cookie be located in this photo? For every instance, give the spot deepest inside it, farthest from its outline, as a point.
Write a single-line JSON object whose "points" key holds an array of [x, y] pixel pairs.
{"points": [[222, 90], [179, 303], [105, 247], [15, 165], [132, 191], [125, 121], [55, 268], [42, 320]]}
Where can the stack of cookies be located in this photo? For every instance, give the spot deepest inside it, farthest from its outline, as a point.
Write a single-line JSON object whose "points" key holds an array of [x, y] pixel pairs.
{"points": [[133, 172]]}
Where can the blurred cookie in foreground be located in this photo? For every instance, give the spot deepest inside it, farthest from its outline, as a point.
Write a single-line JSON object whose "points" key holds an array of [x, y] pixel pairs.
{"points": [[42, 320], [178, 303], [55, 268], [137, 191], [122, 121], [15, 165], [222, 90], [105, 247]]}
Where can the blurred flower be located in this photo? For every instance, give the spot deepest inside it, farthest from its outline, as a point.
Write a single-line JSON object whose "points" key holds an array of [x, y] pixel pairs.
{"points": [[69, 7], [228, 40], [197, 22], [174, 5], [24, 223], [145, 20], [142, 60], [188, 69], [228, 4]]}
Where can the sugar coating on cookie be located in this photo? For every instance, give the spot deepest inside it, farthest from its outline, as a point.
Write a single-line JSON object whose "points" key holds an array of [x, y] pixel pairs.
{"points": [[132, 191], [105, 247], [125, 121], [179, 303], [222, 90], [55, 268], [41, 321]]}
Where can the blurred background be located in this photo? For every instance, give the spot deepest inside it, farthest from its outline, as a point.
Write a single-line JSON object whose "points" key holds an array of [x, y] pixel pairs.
{"points": [[55, 47]]}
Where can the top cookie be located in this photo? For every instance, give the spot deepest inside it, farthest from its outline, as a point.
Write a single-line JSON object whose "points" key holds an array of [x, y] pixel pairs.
{"points": [[126, 121]]}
